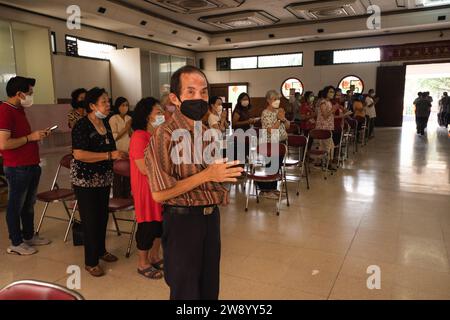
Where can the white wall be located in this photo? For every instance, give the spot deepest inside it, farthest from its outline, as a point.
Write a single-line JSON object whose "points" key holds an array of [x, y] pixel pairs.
{"points": [[313, 77], [75, 73]]}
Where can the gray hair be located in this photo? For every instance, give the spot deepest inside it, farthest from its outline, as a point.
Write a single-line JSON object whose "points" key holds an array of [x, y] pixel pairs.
{"points": [[271, 94]]}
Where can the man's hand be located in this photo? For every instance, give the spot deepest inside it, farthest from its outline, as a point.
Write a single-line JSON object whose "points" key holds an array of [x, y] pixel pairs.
{"points": [[38, 135], [222, 171]]}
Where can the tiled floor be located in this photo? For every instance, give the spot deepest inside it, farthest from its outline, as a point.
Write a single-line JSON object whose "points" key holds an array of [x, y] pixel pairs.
{"points": [[389, 206]]}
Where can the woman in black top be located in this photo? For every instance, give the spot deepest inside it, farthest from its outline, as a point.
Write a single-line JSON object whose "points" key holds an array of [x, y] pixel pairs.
{"points": [[241, 116], [91, 173]]}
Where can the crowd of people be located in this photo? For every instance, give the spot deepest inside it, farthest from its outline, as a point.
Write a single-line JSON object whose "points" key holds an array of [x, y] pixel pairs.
{"points": [[176, 204]]}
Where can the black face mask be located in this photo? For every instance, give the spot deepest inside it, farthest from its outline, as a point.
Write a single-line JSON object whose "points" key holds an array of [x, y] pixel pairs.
{"points": [[194, 109]]}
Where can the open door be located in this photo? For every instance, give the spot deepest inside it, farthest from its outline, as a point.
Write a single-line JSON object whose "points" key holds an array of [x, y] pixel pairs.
{"points": [[390, 89]]}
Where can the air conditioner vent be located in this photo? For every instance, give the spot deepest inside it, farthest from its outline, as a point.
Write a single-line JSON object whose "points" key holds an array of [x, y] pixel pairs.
{"points": [[240, 20], [196, 6], [316, 10]]}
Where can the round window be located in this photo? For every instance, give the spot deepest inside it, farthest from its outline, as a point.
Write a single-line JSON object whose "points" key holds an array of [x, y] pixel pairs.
{"points": [[290, 87], [351, 82]]}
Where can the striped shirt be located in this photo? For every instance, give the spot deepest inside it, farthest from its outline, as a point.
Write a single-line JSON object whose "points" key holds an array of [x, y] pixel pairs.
{"points": [[165, 171]]}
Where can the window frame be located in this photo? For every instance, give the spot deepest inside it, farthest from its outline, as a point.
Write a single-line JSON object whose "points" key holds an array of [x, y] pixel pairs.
{"points": [[351, 49], [352, 75], [267, 55], [88, 40], [282, 83]]}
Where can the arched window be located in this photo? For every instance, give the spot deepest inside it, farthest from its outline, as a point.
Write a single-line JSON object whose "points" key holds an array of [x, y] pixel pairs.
{"points": [[351, 81], [290, 86]]}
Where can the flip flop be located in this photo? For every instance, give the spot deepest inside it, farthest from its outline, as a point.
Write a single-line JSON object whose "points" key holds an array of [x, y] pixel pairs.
{"points": [[159, 265], [151, 273]]}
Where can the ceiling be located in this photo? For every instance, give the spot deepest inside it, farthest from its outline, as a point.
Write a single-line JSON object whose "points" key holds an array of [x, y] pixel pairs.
{"points": [[204, 25]]}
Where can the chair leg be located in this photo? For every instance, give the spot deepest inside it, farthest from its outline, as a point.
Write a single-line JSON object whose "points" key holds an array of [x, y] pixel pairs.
{"points": [[287, 193], [307, 175], [42, 218], [70, 220], [256, 191], [130, 242], [116, 224], [279, 201], [248, 195]]}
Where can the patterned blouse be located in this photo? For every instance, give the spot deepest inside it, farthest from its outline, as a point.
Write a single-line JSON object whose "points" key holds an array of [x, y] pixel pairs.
{"points": [[268, 120], [322, 122], [85, 137], [73, 117]]}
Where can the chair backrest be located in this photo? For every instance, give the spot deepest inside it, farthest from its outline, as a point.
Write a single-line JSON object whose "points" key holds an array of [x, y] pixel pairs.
{"points": [[37, 290], [297, 141], [65, 161], [293, 129], [360, 119], [320, 134], [352, 123], [122, 167]]}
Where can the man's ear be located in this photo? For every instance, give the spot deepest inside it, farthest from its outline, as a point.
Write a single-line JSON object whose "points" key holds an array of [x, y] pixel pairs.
{"points": [[174, 99]]}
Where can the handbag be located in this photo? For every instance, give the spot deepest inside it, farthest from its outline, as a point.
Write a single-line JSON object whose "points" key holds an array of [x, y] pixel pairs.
{"points": [[77, 234]]}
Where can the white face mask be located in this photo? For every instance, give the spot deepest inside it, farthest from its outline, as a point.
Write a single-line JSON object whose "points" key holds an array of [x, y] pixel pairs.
{"points": [[159, 120], [245, 103], [100, 115], [27, 102], [276, 104]]}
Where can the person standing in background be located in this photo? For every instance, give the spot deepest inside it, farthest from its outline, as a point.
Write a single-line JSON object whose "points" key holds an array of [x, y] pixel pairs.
{"points": [[296, 105], [120, 124], [147, 116], [20, 150], [423, 109], [167, 106], [78, 111], [217, 118], [91, 173], [370, 103]]}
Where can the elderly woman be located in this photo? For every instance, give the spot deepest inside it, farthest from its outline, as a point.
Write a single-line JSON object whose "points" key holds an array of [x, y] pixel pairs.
{"points": [[147, 116], [78, 110], [94, 151], [274, 121], [217, 118], [325, 120]]}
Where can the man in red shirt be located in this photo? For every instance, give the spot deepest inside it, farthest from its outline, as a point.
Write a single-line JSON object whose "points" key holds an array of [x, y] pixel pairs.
{"points": [[20, 150]]}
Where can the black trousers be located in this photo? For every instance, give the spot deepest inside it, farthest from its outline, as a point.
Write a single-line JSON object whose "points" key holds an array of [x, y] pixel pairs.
{"points": [[191, 246], [146, 234], [121, 187], [93, 208], [421, 124]]}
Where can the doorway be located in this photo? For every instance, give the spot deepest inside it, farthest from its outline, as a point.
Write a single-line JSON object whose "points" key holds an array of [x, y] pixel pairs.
{"points": [[433, 78]]}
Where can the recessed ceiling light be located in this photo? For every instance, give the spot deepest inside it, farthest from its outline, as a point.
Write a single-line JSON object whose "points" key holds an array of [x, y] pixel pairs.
{"points": [[143, 23], [101, 10], [271, 35], [228, 40], [151, 35], [174, 32], [199, 38], [189, 45]]}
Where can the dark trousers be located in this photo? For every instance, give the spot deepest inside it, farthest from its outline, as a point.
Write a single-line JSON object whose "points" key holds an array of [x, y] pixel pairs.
{"points": [[421, 124], [121, 187], [23, 184], [93, 208], [146, 234], [191, 246], [371, 126]]}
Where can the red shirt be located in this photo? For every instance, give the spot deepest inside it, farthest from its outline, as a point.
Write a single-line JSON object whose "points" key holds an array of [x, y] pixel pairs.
{"points": [[14, 120], [306, 109], [147, 210]]}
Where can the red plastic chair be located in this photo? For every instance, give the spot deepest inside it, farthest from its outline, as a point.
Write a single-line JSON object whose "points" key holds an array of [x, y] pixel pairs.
{"points": [[317, 135], [57, 194], [37, 290], [265, 150], [300, 143], [293, 129]]}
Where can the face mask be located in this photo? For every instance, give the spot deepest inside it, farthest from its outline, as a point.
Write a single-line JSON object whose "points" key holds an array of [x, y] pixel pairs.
{"points": [[194, 109], [311, 99], [245, 103], [170, 108], [27, 102], [276, 104], [159, 120], [100, 115], [219, 109]]}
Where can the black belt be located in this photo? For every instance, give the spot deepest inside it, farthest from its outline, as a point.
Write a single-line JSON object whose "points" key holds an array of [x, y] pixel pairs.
{"points": [[198, 210]]}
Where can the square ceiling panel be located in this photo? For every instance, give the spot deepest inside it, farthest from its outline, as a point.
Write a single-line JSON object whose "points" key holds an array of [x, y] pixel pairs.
{"points": [[317, 10], [240, 20], [196, 6]]}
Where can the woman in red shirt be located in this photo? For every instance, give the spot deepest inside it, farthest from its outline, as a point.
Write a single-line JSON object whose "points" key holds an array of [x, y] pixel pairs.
{"points": [[307, 114], [147, 116]]}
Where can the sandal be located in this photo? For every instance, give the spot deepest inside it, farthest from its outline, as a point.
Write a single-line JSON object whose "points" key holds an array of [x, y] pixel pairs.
{"points": [[151, 273], [159, 265], [96, 271], [109, 257]]}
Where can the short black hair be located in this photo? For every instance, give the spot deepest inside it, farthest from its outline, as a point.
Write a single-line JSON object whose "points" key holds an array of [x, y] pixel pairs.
{"points": [[92, 96], [325, 91], [141, 112], [307, 95], [75, 94], [213, 100], [118, 103], [17, 84], [175, 80]]}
